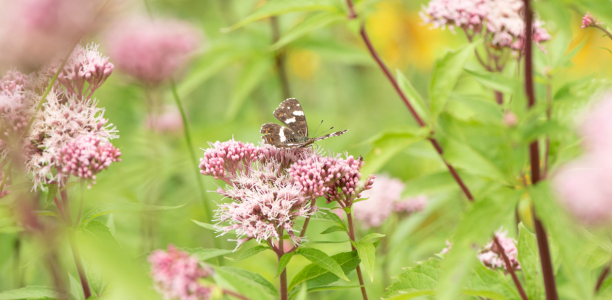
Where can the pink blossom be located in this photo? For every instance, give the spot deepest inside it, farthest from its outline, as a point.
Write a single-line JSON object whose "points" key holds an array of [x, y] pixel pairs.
{"points": [[596, 129], [152, 51], [491, 256], [411, 205], [510, 119], [84, 66], [32, 32], [225, 160], [588, 20], [176, 275], [85, 157], [15, 107], [382, 200], [168, 121]]}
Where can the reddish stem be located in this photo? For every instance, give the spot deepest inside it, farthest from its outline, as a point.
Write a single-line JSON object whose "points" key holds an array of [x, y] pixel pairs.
{"points": [[283, 276], [349, 218], [545, 258], [510, 268], [602, 277], [418, 119], [231, 293]]}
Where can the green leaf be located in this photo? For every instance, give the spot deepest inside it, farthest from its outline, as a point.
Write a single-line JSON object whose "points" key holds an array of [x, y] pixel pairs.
{"points": [[332, 216], [463, 156], [203, 254], [423, 277], [252, 74], [412, 295], [51, 193], [244, 280], [282, 263], [123, 207], [315, 276], [493, 81], [205, 225], [212, 62], [75, 288], [388, 144], [323, 260], [102, 234], [367, 254], [372, 236], [29, 292], [279, 7], [333, 229], [445, 75], [435, 182], [561, 227], [310, 24], [414, 97], [475, 228], [529, 259], [249, 252]]}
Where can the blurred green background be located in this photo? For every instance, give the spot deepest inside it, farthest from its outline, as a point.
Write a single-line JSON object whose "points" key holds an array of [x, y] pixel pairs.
{"points": [[231, 87]]}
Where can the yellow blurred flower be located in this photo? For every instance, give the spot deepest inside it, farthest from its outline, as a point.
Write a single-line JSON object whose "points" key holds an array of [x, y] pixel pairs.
{"points": [[303, 63]]}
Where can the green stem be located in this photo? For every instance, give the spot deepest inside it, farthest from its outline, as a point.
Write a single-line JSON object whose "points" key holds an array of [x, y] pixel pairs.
{"points": [[194, 161], [80, 213]]}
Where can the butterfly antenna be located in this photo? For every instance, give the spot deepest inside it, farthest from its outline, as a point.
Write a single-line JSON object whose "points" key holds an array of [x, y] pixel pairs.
{"points": [[324, 132], [315, 133]]}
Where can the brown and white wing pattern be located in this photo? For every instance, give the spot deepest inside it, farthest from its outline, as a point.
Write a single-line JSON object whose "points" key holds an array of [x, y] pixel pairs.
{"points": [[278, 136], [330, 135], [290, 112]]}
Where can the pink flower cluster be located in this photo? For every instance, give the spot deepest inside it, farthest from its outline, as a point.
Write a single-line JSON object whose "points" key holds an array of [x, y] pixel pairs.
{"points": [[176, 275], [502, 18], [271, 187], [152, 51], [583, 185], [384, 198], [85, 157], [588, 20], [169, 121], [491, 256], [85, 65], [15, 107], [32, 32]]}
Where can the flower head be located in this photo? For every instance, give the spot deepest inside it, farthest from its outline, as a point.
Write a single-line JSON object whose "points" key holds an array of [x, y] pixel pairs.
{"points": [[383, 198], [152, 51], [168, 121], [411, 205], [491, 256], [85, 65], [35, 31], [468, 14], [225, 160], [84, 157], [588, 20], [176, 275]]}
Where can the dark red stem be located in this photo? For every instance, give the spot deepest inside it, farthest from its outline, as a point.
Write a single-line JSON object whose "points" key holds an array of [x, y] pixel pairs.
{"points": [[283, 276], [545, 258], [231, 293], [510, 268], [602, 277], [349, 218], [417, 118]]}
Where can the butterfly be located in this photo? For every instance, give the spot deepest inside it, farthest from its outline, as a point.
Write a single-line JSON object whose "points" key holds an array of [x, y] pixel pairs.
{"points": [[296, 133]]}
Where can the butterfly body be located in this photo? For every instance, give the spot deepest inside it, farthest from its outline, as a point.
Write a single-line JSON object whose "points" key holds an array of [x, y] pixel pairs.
{"points": [[290, 113]]}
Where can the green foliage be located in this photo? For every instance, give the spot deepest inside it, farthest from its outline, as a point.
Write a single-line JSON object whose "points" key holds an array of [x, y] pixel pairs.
{"points": [[388, 144], [247, 282], [322, 260], [29, 292], [205, 254], [367, 254], [311, 23], [122, 207], [283, 262], [250, 252], [314, 275]]}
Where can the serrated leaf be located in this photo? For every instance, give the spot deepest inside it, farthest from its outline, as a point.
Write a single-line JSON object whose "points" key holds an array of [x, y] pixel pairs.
{"points": [[445, 75], [122, 207], [29, 292], [203, 254], [414, 97], [252, 74], [278, 7], [310, 24], [463, 156], [388, 144], [333, 229], [249, 252], [315, 276], [244, 280], [423, 277], [282, 263], [493, 81], [528, 257], [367, 254], [323, 260]]}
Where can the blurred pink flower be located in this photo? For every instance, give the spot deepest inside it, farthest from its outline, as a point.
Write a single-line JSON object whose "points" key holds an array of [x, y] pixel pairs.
{"points": [[382, 197], [15, 107], [32, 32], [510, 119], [152, 51], [491, 256], [176, 275], [84, 157], [502, 18], [411, 205], [588, 20], [168, 121], [596, 128]]}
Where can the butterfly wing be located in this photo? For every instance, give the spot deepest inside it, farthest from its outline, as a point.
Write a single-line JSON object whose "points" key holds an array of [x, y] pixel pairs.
{"points": [[329, 135], [278, 136], [291, 114]]}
